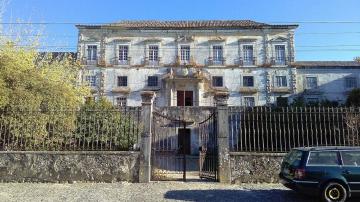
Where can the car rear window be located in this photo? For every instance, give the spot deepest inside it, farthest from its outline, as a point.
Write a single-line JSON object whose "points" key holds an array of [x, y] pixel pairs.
{"points": [[351, 158], [294, 157], [323, 158]]}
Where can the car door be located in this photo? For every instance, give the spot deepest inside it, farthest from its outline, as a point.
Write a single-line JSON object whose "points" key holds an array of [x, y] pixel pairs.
{"points": [[351, 168]]}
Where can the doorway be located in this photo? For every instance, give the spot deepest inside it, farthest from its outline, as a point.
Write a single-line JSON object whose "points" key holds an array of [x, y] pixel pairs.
{"points": [[184, 144]]}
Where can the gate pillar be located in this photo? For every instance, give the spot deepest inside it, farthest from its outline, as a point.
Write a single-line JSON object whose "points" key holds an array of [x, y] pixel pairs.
{"points": [[147, 98], [224, 169]]}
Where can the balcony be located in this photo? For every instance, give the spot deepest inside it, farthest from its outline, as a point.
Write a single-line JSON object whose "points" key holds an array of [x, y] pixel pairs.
{"points": [[121, 89], [248, 90], [243, 62], [280, 90], [152, 63], [86, 61], [216, 61], [281, 61], [117, 62]]}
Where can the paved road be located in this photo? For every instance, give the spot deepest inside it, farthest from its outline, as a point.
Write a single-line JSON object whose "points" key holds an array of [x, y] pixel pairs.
{"points": [[155, 191]]}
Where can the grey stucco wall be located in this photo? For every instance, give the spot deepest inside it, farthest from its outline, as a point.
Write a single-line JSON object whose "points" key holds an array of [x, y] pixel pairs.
{"points": [[69, 166], [255, 167]]}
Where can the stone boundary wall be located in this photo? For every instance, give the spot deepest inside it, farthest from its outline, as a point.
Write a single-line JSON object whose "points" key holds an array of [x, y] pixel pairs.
{"points": [[69, 166], [251, 167]]}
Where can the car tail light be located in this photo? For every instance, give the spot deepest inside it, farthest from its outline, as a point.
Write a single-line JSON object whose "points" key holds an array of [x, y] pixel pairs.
{"points": [[299, 173]]}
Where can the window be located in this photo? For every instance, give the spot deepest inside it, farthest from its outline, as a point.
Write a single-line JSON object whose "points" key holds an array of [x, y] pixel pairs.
{"points": [[185, 53], [294, 158], [311, 82], [248, 81], [350, 82], [280, 81], [152, 81], [217, 81], [280, 54], [248, 55], [249, 101], [217, 53], [121, 101], [123, 53], [153, 53], [92, 52], [323, 158], [91, 80], [122, 81], [351, 158]]}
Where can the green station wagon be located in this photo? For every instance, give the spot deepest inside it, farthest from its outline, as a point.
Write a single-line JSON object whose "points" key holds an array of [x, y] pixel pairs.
{"points": [[333, 173]]}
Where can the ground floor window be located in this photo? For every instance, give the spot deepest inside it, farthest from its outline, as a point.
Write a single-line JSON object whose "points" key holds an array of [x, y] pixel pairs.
{"points": [[121, 101], [249, 101]]}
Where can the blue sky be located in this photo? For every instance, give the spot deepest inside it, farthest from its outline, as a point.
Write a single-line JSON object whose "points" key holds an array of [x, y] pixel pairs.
{"points": [[314, 41]]}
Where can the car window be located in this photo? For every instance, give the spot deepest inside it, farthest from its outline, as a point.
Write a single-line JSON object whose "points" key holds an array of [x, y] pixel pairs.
{"points": [[293, 158], [323, 158], [351, 158]]}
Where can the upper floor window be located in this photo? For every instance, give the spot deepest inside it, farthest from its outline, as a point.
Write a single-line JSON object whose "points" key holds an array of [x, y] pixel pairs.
{"points": [[217, 53], [280, 81], [249, 101], [123, 52], [280, 57], [311, 82], [91, 80], [350, 82], [122, 81], [185, 53], [153, 81], [121, 101], [248, 81], [153, 53], [217, 81], [92, 52], [248, 55]]}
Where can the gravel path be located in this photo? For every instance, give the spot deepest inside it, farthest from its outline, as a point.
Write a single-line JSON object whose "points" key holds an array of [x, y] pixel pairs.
{"points": [[155, 191]]}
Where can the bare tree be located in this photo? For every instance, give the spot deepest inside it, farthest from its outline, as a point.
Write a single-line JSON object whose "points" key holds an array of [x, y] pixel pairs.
{"points": [[352, 120]]}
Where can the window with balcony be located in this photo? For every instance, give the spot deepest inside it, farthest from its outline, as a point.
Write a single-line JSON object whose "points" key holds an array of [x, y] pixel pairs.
{"points": [[280, 57], [152, 81], [92, 53], [123, 54], [185, 54], [153, 53], [122, 81], [311, 82], [217, 81], [249, 101], [121, 101], [248, 57], [350, 82], [218, 55], [91, 80], [248, 81], [280, 81]]}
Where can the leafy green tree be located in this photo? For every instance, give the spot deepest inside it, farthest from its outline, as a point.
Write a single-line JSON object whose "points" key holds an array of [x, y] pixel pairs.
{"points": [[353, 98]]}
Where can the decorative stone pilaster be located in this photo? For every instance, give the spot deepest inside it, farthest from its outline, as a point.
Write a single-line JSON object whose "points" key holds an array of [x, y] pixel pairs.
{"points": [[145, 147]]}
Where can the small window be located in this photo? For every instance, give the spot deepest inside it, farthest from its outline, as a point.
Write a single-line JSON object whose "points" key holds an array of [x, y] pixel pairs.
{"points": [[280, 81], [351, 158], [249, 101], [185, 53], [323, 158], [248, 81], [153, 81], [91, 80], [311, 82], [280, 54], [121, 101], [350, 82], [217, 81], [92, 52], [122, 81], [123, 53], [218, 53], [153, 53]]}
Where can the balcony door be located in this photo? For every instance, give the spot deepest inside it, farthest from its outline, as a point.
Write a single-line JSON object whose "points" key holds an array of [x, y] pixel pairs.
{"points": [[185, 98]]}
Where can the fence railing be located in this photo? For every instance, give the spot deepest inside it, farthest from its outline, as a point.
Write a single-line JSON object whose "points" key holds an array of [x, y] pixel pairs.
{"points": [[70, 130], [264, 129]]}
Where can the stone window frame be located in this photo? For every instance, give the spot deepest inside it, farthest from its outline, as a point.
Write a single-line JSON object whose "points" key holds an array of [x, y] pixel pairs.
{"points": [[117, 49], [275, 84], [248, 42], [311, 76], [276, 42], [121, 101], [86, 50], [248, 75], [148, 81], [118, 82], [221, 43]]}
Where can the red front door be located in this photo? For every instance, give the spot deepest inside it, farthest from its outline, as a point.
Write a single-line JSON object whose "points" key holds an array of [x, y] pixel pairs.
{"points": [[185, 98]]}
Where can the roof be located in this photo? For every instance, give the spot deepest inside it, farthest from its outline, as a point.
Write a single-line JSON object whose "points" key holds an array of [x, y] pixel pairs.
{"points": [[189, 24], [322, 148], [326, 64]]}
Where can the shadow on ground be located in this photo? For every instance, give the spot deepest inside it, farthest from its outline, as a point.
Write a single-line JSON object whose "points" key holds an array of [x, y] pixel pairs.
{"points": [[276, 195]]}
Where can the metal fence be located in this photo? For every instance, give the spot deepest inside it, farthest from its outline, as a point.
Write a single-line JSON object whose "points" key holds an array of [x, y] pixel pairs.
{"points": [[70, 130], [265, 129]]}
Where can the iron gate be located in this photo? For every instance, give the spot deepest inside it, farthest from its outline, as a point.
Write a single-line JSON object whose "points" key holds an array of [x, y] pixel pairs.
{"points": [[208, 161]]}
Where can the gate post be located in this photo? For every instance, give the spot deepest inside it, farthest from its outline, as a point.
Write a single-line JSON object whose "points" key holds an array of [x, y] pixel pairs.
{"points": [[147, 98], [223, 137]]}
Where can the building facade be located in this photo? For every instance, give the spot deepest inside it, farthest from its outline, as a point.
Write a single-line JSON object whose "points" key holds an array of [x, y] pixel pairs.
{"points": [[188, 62]]}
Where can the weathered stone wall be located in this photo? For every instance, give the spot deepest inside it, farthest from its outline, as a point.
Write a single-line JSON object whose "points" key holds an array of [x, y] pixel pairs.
{"points": [[255, 167], [69, 166]]}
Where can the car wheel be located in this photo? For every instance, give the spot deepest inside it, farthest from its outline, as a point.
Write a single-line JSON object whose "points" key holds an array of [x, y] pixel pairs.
{"points": [[334, 191]]}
